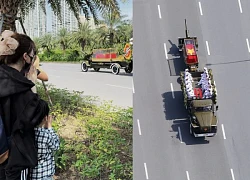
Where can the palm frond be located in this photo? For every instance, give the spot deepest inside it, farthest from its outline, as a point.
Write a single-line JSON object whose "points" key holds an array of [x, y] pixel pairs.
{"points": [[56, 7]]}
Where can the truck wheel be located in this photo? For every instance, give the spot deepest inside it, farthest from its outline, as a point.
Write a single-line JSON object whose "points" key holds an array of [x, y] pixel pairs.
{"points": [[128, 70], [115, 69], [190, 130], [84, 67], [97, 69]]}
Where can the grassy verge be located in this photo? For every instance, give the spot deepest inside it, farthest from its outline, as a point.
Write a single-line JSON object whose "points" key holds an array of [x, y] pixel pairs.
{"points": [[96, 141]]}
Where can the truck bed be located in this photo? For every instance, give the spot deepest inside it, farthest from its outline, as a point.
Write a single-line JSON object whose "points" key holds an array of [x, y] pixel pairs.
{"points": [[196, 78]]}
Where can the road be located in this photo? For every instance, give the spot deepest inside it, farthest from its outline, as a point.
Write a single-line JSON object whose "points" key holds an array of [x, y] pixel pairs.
{"points": [[103, 84], [162, 146]]}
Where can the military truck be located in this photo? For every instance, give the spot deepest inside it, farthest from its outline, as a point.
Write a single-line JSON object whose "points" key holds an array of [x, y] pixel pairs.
{"points": [[110, 59], [201, 106]]}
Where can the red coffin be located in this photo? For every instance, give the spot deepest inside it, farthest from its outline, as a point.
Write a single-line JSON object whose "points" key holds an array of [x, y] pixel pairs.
{"points": [[198, 93]]}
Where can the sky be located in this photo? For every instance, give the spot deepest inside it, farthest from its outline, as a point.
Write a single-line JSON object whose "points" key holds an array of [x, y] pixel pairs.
{"points": [[126, 9]]}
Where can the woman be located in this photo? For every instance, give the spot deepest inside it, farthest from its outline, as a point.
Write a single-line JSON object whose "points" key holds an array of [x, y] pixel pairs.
{"points": [[22, 109]]}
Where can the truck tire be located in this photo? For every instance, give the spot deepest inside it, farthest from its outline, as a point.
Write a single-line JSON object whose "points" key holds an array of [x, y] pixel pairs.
{"points": [[191, 130], [115, 69], [128, 70], [97, 69], [84, 67]]}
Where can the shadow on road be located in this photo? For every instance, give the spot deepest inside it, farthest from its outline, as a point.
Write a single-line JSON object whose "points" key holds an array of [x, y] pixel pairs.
{"points": [[175, 111], [174, 107], [182, 127], [176, 64], [173, 50]]}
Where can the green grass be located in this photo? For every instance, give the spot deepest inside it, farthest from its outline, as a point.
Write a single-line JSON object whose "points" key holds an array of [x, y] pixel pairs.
{"points": [[96, 141]]}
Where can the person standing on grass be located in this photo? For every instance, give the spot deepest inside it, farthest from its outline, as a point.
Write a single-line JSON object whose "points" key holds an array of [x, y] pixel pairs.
{"points": [[21, 109], [47, 143]]}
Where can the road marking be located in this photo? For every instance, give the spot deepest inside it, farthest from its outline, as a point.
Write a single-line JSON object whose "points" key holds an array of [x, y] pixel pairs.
{"points": [[118, 86], [159, 10], [146, 171], [133, 88], [165, 49], [172, 89], [179, 129], [240, 6], [139, 127], [208, 51], [248, 45], [200, 8], [223, 131], [187, 175], [232, 173]]}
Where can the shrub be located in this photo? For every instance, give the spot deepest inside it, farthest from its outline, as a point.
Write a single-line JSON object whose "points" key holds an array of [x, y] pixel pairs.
{"points": [[96, 141]]}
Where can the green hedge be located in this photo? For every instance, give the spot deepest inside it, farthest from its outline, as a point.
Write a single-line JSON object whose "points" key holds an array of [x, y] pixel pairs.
{"points": [[59, 55]]}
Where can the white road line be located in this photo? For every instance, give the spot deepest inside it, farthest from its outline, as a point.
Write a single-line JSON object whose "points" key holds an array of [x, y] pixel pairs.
{"points": [[159, 10], [172, 89], [200, 8], [223, 131], [240, 6], [232, 173], [208, 51], [146, 171], [165, 50], [179, 129], [139, 127], [248, 45], [187, 175], [118, 86], [133, 88]]}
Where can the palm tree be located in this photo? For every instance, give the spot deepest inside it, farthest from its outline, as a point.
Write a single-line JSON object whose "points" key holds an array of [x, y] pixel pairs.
{"points": [[124, 32], [47, 42], [63, 38], [9, 9], [112, 20], [83, 36]]}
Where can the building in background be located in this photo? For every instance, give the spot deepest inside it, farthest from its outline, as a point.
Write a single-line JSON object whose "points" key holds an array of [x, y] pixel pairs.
{"points": [[34, 23], [68, 19], [37, 24]]}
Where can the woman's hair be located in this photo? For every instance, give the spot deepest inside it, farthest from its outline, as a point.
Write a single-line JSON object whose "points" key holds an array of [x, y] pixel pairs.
{"points": [[26, 45]]}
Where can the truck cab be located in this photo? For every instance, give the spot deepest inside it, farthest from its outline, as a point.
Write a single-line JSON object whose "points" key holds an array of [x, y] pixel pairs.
{"points": [[203, 119]]}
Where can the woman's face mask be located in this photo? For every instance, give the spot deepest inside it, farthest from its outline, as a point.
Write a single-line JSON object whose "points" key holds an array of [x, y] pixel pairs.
{"points": [[27, 66]]}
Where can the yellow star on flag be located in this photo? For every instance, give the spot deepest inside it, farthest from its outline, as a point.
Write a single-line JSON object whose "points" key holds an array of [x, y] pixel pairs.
{"points": [[190, 51]]}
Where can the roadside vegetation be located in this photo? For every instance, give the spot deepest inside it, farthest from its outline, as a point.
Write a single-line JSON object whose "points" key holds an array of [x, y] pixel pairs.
{"points": [[112, 32], [96, 140]]}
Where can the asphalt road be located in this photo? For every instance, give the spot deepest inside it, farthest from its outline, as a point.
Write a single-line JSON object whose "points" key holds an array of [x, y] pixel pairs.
{"points": [[163, 148], [105, 85]]}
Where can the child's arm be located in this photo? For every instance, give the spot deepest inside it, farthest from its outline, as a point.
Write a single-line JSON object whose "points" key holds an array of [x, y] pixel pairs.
{"points": [[53, 140]]}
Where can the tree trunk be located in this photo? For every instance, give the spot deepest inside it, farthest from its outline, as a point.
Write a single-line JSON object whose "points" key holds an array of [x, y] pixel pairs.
{"points": [[111, 39], [83, 44], [9, 9]]}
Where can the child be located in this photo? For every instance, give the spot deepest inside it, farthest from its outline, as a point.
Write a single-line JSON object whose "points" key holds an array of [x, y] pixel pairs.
{"points": [[47, 142]]}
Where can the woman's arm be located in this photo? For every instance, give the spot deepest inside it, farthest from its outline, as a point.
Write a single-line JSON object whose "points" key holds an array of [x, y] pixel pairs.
{"points": [[42, 75]]}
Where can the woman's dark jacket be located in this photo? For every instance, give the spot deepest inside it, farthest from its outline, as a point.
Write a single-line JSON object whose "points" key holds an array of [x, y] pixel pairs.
{"points": [[22, 110]]}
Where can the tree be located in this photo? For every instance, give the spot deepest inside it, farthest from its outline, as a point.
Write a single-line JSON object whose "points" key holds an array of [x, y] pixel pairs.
{"points": [[83, 36], [124, 32], [9, 9], [46, 42], [112, 20], [63, 38]]}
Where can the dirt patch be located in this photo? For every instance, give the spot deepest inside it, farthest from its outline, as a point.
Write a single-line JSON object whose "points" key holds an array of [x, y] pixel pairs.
{"points": [[72, 128]]}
